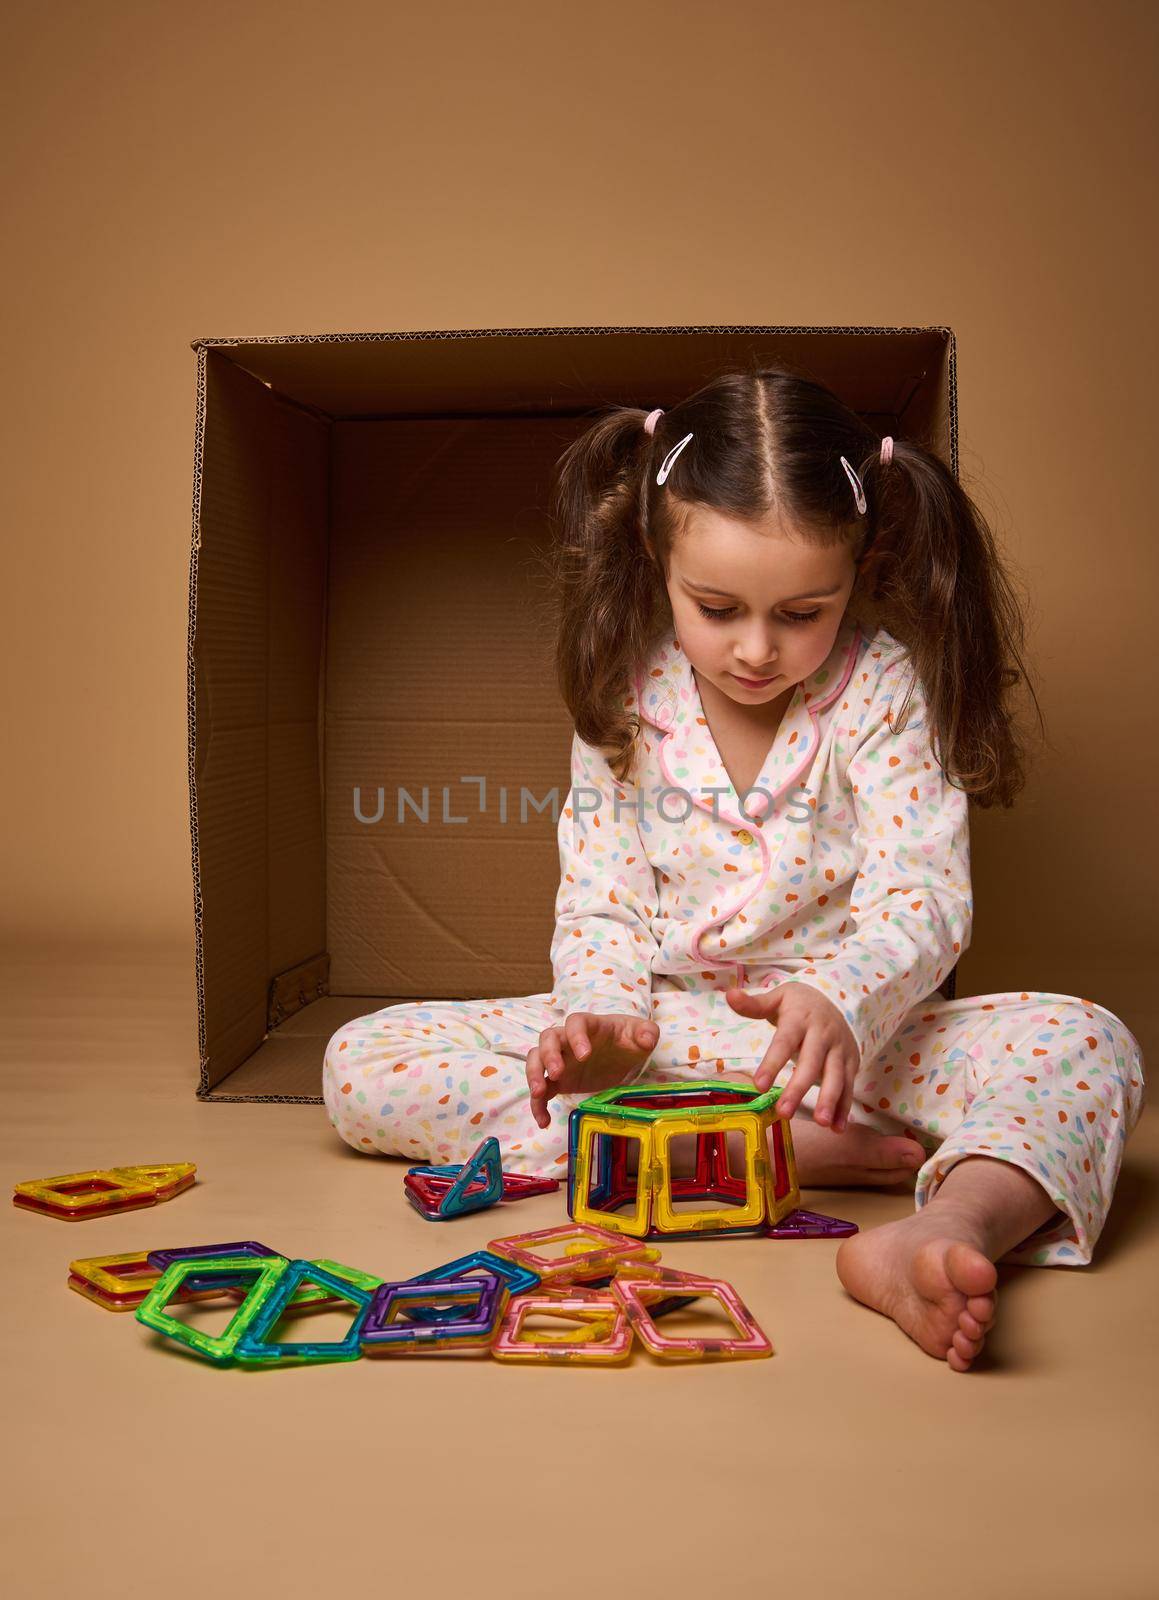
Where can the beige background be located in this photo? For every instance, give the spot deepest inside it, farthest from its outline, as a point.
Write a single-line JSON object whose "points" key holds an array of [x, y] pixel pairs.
{"points": [[171, 172], [263, 169]]}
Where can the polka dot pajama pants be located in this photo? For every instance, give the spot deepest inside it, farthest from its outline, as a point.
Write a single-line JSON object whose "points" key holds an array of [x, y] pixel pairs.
{"points": [[1049, 1082]]}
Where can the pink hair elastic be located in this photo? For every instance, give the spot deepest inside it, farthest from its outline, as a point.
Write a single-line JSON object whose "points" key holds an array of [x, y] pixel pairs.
{"points": [[669, 461]]}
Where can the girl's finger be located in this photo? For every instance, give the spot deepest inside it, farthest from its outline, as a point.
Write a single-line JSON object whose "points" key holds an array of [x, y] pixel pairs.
{"points": [[626, 1034], [541, 1089], [535, 1073], [832, 1088], [784, 1046], [575, 1029], [635, 1035], [550, 1053], [810, 1061], [842, 1120]]}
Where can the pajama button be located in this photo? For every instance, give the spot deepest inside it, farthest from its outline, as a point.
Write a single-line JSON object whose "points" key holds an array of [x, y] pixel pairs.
{"points": [[745, 836]]}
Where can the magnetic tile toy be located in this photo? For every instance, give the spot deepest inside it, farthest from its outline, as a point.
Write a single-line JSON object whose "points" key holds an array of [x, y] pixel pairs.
{"points": [[483, 1166], [644, 1265], [479, 1263], [108, 1302], [652, 1201], [262, 1273], [587, 1251], [257, 1347], [309, 1296], [749, 1341], [810, 1225], [168, 1179], [516, 1185], [192, 1252], [594, 1292], [454, 1189], [76, 1196], [355, 1275], [160, 1259], [426, 1196], [581, 1280], [315, 1297], [603, 1336], [481, 1301], [122, 1282], [426, 1191]]}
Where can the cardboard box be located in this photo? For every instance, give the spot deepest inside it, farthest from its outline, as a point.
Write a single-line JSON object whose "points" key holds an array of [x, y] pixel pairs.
{"points": [[375, 734]]}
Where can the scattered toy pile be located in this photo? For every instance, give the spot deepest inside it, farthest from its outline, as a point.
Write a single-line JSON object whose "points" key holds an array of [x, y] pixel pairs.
{"points": [[603, 1287]]}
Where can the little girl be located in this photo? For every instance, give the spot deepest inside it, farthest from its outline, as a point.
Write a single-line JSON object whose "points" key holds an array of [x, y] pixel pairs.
{"points": [[786, 646]]}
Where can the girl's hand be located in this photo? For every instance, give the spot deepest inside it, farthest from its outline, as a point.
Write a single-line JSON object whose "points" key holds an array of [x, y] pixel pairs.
{"points": [[584, 1054], [812, 1031]]}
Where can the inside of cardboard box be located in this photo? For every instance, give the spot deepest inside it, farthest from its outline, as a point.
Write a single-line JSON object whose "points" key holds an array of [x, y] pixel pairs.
{"points": [[378, 749]]}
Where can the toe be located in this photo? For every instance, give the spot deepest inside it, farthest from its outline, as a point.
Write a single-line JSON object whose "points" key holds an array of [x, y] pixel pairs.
{"points": [[898, 1152], [969, 1271], [956, 1362], [966, 1347], [970, 1326], [982, 1308]]}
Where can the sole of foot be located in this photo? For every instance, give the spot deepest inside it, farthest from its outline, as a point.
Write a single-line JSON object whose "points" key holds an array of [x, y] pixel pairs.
{"points": [[936, 1285]]}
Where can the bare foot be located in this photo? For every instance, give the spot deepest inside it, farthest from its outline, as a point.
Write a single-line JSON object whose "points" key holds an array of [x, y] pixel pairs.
{"points": [[930, 1274], [858, 1157]]}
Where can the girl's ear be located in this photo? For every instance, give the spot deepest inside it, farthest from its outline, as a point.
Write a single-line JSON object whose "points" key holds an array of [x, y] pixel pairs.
{"points": [[871, 556], [873, 548], [868, 578]]}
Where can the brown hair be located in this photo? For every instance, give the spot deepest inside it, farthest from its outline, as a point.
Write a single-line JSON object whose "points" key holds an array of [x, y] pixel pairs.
{"points": [[769, 441]]}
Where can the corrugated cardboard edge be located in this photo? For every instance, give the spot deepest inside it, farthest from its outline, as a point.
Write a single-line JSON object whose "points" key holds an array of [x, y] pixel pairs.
{"points": [[208, 343], [191, 716], [201, 347]]}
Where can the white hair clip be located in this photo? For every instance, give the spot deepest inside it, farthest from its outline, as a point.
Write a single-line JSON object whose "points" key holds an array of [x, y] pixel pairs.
{"points": [[670, 458], [858, 491]]}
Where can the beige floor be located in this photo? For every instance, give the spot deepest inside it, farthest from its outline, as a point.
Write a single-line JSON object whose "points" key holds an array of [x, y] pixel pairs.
{"points": [[849, 1459]]}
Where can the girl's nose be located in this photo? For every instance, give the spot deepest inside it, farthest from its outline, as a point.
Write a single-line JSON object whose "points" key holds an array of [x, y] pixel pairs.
{"points": [[758, 654]]}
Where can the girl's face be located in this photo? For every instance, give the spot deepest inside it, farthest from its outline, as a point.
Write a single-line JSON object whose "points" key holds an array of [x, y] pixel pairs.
{"points": [[755, 605]]}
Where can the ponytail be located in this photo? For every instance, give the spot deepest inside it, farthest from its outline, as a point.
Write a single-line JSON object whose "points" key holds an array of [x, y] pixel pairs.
{"points": [[931, 575], [610, 599]]}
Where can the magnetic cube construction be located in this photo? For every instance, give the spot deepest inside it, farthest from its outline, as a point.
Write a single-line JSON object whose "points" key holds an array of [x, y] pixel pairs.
{"points": [[652, 1201]]}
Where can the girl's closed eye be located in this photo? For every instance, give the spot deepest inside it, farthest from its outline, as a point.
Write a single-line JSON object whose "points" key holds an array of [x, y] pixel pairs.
{"points": [[790, 616]]}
